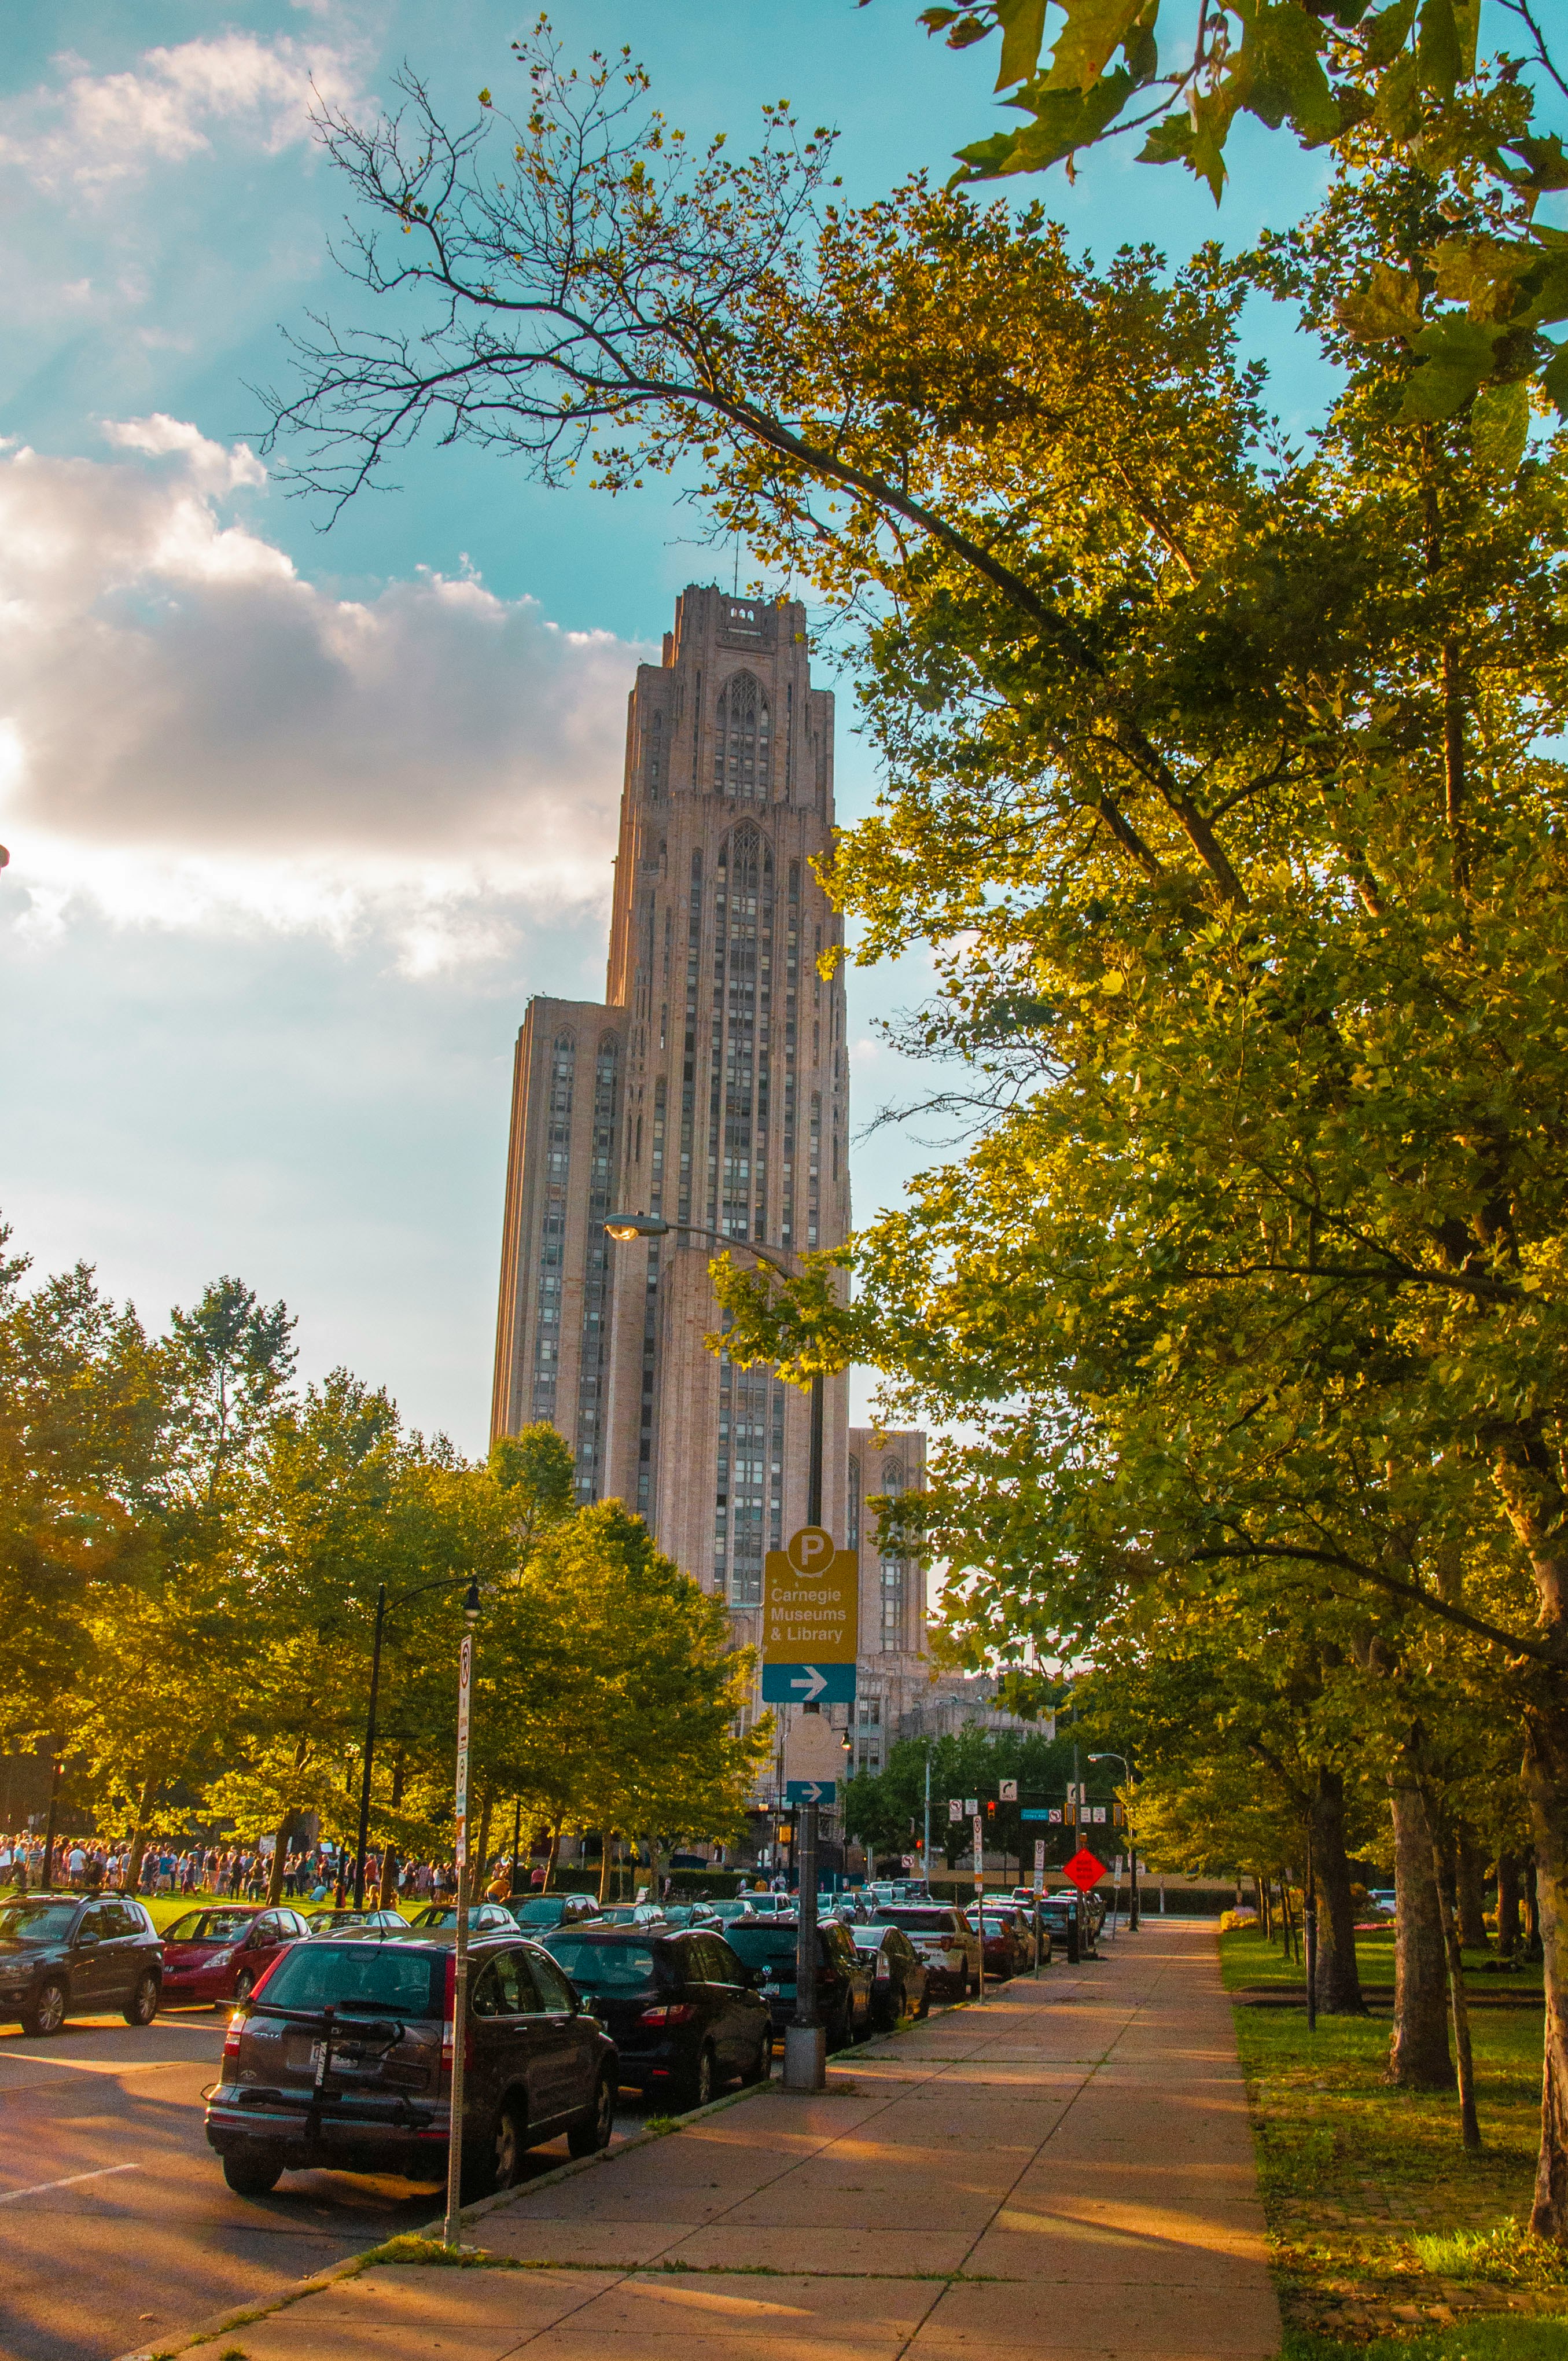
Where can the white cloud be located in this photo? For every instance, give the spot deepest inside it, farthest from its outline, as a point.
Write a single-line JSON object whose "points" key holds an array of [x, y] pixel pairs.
{"points": [[96, 130], [191, 733]]}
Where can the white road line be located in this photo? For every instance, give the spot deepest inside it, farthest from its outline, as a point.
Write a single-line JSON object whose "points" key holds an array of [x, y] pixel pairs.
{"points": [[40, 2187]]}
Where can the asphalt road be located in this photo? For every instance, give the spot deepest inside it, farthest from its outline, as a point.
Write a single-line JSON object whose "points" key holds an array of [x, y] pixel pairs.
{"points": [[114, 2221]]}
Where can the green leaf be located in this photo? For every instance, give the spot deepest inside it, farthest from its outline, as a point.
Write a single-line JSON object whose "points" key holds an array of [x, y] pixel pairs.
{"points": [[1499, 426], [1390, 307], [1388, 32], [1545, 160], [1169, 142], [1468, 24], [1064, 120], [1556, 380], [1399, 99], [1022, 24], [1282, 73], [1458, 352], [1481, 272], [1094, 29], [1437, 48], [1140, 49]]}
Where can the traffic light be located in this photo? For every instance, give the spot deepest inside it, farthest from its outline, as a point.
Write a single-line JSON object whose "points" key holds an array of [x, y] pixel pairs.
{"points": [[990, 1810]]}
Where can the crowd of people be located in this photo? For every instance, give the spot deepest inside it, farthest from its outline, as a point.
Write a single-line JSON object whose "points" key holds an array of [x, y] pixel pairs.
{"points": [[321, 1873]]}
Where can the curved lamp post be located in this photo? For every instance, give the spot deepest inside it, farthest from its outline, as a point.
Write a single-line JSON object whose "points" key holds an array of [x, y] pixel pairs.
{"points": [[1131, 1838]]}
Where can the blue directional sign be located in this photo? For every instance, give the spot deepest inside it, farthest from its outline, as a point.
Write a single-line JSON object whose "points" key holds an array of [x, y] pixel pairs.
{"points": [[808, 1684], [811, 1791]]}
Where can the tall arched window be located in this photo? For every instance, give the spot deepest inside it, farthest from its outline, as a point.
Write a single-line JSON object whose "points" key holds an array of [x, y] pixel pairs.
{"points": [[743, 753]]}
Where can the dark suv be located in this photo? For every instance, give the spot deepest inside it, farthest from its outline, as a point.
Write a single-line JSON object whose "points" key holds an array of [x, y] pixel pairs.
{"points": [[342, 2058], [843, 1978], [685, 2014], [62, 1956]]}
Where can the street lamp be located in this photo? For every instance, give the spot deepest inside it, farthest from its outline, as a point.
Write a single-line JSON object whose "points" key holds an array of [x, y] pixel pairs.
{"points": [[454, 2230], [1131, 1838], [419, 1591], [805, 2064]]}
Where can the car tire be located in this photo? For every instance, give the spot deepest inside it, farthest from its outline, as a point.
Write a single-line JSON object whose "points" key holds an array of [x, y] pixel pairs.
{"points": [[46, 2016], [244, 1985], [254, 2172], [924, 2008], [702, 2081], [762, 2067], [142, 2005], [510, 2143], [594, 2136]]}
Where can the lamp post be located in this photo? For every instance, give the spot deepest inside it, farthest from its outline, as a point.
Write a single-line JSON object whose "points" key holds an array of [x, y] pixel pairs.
{"points": [[454, 2230], [420, 1589], [1132, 1839], [806, 2065]]}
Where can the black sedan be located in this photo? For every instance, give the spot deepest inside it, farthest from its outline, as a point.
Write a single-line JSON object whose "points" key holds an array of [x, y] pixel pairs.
{"points": [[62, 1956], [340, 2059], [899, 1981], [685, 2014], [843, 1977], [484, 1918]]}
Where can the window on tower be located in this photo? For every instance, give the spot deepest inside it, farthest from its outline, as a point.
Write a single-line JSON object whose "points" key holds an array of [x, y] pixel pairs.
{"points": [[742, 747]]}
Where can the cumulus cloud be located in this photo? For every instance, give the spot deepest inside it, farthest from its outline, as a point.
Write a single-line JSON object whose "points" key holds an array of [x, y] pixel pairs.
{"points": [[193, 733], [95, 130]]}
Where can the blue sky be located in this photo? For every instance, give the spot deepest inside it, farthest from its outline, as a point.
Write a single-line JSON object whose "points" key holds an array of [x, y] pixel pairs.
{"points": [[299, 819]]}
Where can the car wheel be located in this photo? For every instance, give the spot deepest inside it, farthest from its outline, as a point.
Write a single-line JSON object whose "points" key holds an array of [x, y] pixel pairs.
{"points": [[762, 2067], [253, 2171], [511, 2146], [244, 1985], [47, 2014], [699, 2082], [592, 2137], [142, 2005], [925, 2007]]}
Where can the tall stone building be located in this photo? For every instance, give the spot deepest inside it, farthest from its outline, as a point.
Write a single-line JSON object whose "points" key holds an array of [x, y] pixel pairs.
{"points": [[710, 1086], [895, 1670]]}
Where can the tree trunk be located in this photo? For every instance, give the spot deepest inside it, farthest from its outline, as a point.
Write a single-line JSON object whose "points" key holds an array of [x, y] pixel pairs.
{"points": [[1546, 1793], [606, 1849], [1507, 1903], [1471, 1891], [1417, 2048], [551, 1858], [482, 1861], [279, 1855], [1338, 1985], [1532, 1911], [1469, 2127], [138, 1838]]}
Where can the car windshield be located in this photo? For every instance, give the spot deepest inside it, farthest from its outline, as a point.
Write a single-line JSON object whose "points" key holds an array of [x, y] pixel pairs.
{"points": [[208, 1926], [763, 1947], [603, 1967], [36, 1922], [358, 1975], [920, 1922]]}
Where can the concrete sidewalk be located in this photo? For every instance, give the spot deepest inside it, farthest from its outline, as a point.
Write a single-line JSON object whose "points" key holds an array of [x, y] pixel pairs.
{"points": [[1070, 2166]]}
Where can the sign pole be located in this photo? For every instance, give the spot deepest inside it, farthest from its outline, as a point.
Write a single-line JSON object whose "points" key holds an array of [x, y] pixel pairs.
{"points": [[977, 1830], [453, 2228], [806, 2044]]}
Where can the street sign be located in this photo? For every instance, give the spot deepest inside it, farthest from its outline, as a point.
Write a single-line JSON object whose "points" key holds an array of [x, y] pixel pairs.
{"points": [[1038, 1812], [811, 1622], [978, 1830], [971, 1806], [460, 1786], [955, 1808], [1007, 1791], [814, 1752], [811, 1791], [1084, 1869], [1039, 1864]]}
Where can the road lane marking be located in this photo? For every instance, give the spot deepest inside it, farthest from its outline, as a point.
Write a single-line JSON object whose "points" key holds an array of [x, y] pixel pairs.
{"points": [[41, 2187], [95, 2065]]}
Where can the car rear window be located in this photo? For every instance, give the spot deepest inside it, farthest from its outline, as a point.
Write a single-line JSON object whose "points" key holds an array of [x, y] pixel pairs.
{"points": [[922, 1922], [767, 1947], [604, 1967], [548, 1911], [359, 1975]]}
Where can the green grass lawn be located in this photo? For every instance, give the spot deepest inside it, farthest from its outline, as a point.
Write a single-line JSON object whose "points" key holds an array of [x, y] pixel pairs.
{"points": [[1380, 2226]]}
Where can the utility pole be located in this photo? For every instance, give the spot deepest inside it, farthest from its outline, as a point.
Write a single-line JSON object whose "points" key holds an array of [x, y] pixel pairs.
{"points": [[925, 1855]]}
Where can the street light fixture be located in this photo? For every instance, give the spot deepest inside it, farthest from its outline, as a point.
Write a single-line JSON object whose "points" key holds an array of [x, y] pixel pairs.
{"points": [[1110, 1756], [805, 2062], [454, 2227]]}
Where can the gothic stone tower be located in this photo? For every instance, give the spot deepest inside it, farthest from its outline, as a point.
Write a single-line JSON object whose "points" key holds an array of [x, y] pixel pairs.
{"points": [[710, 1087]]}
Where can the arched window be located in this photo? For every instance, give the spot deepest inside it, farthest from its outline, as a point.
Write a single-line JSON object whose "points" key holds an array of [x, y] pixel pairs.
{"points": [[742, 752]]}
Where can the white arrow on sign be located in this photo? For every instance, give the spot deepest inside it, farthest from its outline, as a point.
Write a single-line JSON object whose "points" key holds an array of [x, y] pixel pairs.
{"points": [[813, 1794], [813, 1683]]}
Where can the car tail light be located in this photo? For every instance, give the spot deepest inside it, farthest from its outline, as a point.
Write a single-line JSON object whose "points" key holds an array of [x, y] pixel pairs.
{"points": [[679, 2012], [232, 2038]]}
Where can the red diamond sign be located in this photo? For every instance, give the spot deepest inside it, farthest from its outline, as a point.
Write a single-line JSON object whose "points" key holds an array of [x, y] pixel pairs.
{"points": [[1084, 1869]]}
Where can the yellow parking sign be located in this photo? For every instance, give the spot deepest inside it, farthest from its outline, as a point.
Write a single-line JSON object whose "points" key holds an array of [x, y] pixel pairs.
{"points": [[811, 1615]]}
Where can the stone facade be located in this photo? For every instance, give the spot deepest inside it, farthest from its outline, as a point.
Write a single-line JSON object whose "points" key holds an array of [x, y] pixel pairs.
{"points": [[894, 1671], [711, 1087]]}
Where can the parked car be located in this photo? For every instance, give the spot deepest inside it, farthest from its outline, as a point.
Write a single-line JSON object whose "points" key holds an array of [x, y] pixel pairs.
{"points": [[550, 1910], [733, 1905], [774, 1905], [900, 1983], [946, 1941], [333, 1922], [843, 1977], [685, 2015], [1057, 1911], [631, 1914], [221, 1951], [63, 1956], [342, 2058], [1005, 1952], [484, 1918]]}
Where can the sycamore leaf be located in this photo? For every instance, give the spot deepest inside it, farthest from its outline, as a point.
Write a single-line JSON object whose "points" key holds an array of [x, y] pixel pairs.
{"points": [[1556, 380], [1140, 49], [1283, 73], [1499, 426], [1467, 25], [1399, 99], [1390, 307], [1388, 32], [1169, 142], [1092, 31], [1211, 121], [1481, 273], [1458, 355], [1437, 49], [1022, 24], [1064, 120], [1546, 164]]}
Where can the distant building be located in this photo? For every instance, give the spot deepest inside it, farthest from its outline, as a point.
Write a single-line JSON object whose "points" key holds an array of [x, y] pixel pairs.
{"points": [[710, 1086], [966, 1701], [895, 1669]]}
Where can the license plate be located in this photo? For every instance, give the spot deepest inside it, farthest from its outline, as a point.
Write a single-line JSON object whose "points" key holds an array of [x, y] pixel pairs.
{"points": [[305, 2057]]}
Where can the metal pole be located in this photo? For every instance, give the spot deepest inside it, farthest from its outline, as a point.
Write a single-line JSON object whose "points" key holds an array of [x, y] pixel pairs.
{"points": [[1039, 1944], [49, 1827], [814, 1466], [977, 1831], [369, 1749], [925, 1856], [1309, 1926], [453, 2228], [805, 2047], [1133, 1893], [517, 1840]]}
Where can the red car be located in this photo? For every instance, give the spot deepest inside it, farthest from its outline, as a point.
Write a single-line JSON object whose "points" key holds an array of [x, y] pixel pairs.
{"points": [[220, 1954]]}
